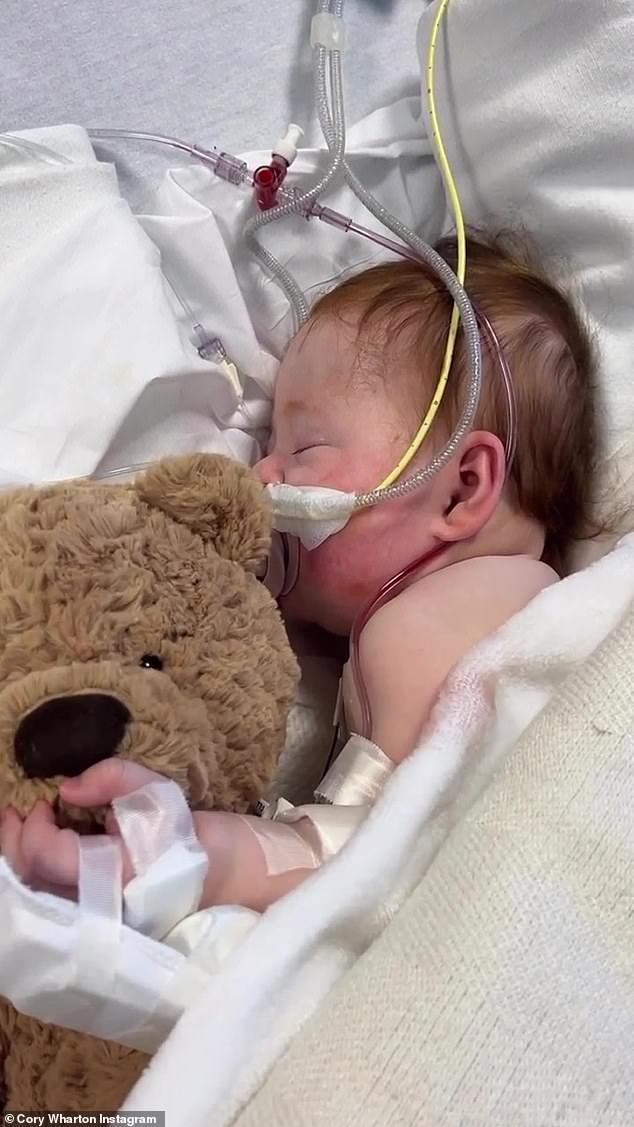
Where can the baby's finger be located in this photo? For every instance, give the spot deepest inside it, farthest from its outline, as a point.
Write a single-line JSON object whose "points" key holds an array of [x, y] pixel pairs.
{"points": [[101, 783], [10, 840], [48, 854], [112, 828]]}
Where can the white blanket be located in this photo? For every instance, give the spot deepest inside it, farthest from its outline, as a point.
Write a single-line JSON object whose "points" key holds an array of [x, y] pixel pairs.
{"points": [[223, 1046], [93, 355]]}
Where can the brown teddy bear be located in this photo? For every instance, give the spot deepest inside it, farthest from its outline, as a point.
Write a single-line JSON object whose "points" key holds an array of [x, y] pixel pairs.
{"points": [[132, 623]]}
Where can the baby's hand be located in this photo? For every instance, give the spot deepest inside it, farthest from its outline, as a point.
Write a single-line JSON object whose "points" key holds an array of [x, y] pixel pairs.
{"points": [[46, 857]]}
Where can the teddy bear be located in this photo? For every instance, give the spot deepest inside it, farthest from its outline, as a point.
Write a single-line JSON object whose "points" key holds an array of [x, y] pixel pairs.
{"points": [[132, 623]]}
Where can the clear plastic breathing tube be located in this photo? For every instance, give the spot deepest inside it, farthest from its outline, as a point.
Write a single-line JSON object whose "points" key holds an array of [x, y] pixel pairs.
{"points": [[32, 149], [301, 202], [425, 253]]}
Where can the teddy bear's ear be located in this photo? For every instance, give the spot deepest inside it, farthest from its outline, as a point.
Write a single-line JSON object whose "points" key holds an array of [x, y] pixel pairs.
{"points": [[217, 498]]}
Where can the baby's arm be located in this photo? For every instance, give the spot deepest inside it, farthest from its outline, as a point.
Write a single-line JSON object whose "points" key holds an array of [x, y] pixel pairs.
{"points": [[252, 862]]}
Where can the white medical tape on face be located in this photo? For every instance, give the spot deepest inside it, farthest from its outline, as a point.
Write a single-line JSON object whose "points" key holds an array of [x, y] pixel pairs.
{"points": [[100, 912], [284, 848], [309, 512], [357, 776], [170, 865]]}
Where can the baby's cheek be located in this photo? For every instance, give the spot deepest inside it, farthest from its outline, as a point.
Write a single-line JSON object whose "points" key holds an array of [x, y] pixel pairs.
{"points": [[339, 570], [352, 565]]}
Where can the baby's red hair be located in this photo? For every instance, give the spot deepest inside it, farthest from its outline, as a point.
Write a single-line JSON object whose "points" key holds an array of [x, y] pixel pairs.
{"points": [[400, 309]]}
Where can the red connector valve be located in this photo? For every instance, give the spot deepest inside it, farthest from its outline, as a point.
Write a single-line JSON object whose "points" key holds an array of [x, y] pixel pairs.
{"points": [[268, 178]]}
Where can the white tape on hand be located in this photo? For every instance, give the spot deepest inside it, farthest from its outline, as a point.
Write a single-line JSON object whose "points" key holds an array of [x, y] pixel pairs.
{"points": [[100, 914], [284, 848], [170, 865], [48, 969], [325, 828]]}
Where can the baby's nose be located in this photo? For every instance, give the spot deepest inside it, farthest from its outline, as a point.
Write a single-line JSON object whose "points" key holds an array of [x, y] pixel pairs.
{"points": [[269, 470]]}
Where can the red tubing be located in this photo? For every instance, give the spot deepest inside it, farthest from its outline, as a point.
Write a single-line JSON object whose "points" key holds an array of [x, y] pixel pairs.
{"points": [[388, 591]]}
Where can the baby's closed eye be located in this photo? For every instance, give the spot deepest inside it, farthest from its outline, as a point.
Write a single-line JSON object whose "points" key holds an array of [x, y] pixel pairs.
{"points": [[308, 448]]}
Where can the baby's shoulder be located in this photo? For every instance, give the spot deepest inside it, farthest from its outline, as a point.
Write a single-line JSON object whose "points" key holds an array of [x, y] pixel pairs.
{"points": [[517, 578], [409, 646], [468, 600]]}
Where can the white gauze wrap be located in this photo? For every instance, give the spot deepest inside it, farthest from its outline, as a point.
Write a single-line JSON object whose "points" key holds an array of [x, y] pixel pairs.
{"points": [[81, 966], [310, 513]]}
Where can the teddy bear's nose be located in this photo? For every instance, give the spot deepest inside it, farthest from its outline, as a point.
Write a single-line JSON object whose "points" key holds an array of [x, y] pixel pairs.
{"points": [[66, 735]]}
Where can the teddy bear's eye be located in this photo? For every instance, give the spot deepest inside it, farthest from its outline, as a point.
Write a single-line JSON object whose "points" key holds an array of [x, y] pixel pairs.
{"points": [[151, 661]]}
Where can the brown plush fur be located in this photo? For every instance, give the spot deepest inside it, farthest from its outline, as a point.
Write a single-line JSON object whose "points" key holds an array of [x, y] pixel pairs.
{"points": [[92, 577]]}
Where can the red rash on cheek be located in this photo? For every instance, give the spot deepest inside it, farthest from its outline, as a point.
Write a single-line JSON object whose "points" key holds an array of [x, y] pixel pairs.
{"points": [[352, 565], [339, 569]]}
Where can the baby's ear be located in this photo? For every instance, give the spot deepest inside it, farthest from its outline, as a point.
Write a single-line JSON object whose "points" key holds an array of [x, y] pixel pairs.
{"points": [[220, 500]]}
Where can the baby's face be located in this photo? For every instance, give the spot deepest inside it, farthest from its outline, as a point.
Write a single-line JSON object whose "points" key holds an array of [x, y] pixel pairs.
{"points": [[336, 424]]}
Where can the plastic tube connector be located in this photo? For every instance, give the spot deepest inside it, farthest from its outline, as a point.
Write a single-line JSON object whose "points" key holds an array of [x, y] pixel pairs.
{"points": [[327, 30], [268, 178], [267, 181], [228, 167], [286, 148]]}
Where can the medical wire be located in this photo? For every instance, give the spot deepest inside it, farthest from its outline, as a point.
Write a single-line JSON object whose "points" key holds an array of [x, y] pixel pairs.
{"points": [[333, 129], [236, 171], [224, 165], [374, 206], [332, 126]]}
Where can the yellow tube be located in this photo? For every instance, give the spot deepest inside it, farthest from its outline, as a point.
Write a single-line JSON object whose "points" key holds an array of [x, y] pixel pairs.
{"points": [[454, 201]]}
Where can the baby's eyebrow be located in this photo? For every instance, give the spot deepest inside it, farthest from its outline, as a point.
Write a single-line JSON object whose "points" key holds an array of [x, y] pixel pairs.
{"points": [[295, 407], [292, 411], [302, 410]]}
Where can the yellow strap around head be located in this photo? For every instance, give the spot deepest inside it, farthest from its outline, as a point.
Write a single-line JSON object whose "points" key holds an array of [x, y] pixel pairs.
{"points": [[454, 200]]}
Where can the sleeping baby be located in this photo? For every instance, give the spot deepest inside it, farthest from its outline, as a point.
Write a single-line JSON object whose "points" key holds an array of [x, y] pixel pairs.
{"points": [[349, 395]]}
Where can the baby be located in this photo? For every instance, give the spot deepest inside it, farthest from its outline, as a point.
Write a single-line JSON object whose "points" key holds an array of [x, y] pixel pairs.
{"points": [[350, 394]]}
